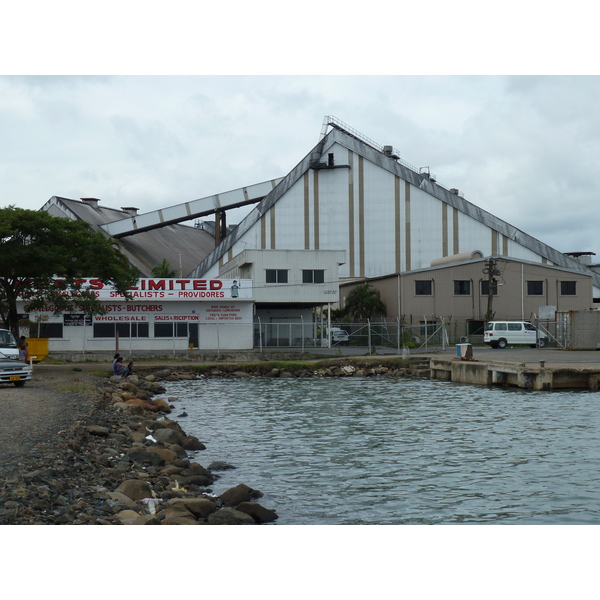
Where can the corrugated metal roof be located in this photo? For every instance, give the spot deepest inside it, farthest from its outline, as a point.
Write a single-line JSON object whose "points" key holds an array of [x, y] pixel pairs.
{"points": [[144, 250]]}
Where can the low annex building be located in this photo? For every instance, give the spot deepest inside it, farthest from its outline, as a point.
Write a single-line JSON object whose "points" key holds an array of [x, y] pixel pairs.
{"points": [[164, 315], [460, 290]]}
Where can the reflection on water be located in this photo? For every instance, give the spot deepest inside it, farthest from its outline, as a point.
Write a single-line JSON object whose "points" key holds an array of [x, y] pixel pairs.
{"points": [[400, 451]]}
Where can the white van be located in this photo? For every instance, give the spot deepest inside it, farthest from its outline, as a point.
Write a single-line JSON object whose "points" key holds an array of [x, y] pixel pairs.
{"points": [[8, 344], [339, 336], [499, 334]]}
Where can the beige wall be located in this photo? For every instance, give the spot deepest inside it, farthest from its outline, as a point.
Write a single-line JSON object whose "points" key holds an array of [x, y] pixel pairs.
{"points": [[512, 301]]}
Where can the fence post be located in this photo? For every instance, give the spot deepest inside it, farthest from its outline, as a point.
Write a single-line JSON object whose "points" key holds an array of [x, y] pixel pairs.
{"points": [[369, 338], [259, 334]]}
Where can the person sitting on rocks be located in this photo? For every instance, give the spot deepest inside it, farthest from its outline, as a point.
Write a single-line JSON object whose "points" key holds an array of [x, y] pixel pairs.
{"points": [[118, 367]]}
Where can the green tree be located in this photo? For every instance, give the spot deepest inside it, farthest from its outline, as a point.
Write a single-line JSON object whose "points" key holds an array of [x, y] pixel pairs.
{"points": [[163, 269], [43, 259], [364, 302]]}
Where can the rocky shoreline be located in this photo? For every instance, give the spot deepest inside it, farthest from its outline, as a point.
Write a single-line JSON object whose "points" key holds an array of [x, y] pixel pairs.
{"points": [[128, 461]]}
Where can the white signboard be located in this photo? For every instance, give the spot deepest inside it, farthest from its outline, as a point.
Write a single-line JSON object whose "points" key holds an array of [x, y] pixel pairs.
{"points": [[198, 290], [225, 313]]}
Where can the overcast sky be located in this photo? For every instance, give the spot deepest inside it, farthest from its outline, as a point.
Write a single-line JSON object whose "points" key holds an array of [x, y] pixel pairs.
{"points": [[525, 148]]}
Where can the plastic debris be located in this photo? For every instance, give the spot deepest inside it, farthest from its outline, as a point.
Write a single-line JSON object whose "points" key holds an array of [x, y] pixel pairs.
{"points": [[151, 502]]}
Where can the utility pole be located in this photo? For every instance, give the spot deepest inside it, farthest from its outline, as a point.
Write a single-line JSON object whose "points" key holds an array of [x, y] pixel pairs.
{"points": [[491, 270]]}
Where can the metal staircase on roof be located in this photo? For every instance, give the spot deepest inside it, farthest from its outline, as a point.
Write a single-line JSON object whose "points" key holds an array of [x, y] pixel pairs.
{"points": [[331, 121]]}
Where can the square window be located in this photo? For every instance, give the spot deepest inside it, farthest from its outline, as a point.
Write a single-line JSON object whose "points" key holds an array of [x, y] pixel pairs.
{"points": [[163, 330], [535, 288], [423, 287], [313, 276], [462, 288], [568, 288], [51, 330], [276, 276]]}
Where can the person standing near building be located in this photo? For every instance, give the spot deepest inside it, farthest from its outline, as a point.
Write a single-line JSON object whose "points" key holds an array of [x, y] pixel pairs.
{"points": [[23, 346]]}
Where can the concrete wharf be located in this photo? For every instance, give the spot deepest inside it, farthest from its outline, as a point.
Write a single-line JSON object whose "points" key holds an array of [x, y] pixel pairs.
{"points": [[527, 368]]}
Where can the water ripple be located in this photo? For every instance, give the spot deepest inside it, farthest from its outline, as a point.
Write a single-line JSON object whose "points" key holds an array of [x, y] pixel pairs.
{"points": [[397, 451]]}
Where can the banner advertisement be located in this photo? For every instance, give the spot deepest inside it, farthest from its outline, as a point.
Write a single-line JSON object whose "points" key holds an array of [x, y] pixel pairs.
{"points": [[175, 289]]}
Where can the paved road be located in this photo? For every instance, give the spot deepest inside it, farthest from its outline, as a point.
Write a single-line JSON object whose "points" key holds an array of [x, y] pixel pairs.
{"points": [[551, 356]]}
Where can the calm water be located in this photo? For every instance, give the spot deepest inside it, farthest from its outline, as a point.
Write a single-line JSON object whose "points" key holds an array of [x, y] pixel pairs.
{"points": [[397, 451]]}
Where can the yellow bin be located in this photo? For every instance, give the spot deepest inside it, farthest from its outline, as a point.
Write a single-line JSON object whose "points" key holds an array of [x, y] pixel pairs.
{"points": [[37, 347]]}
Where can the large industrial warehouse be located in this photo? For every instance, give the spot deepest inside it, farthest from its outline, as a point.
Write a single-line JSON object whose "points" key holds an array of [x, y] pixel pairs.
{"points": [[351, 211]]}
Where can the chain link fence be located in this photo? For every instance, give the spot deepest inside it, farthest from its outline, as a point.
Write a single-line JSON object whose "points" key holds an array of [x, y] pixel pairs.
{"points": [[387, 333]]}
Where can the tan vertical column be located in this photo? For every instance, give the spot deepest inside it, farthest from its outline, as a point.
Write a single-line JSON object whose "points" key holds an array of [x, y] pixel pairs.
{"points": [[444, 229], [361, 215], [316, 208], [397, 223], [455, 232], [351, 249], [407, 224], [306, 213], [272, 223]]}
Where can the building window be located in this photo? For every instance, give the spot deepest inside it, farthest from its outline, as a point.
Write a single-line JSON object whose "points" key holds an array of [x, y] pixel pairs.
{"points": [[125, 330], [485, 288], [48, 330], [535, 288], [568, 288], [277, 276], [170, 330], [313, 276], [462, 287], [424, 287]]}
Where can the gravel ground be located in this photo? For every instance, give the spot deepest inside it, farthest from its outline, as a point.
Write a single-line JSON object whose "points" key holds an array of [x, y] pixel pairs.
{"points": [[32, 417]]}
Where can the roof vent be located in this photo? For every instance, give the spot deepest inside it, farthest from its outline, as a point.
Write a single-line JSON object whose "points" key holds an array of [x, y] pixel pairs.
{"points": [[132, 210], [93, 202], [463, 256]]}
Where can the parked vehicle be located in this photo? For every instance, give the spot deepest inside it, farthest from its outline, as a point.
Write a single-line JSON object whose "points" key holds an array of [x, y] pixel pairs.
{"points": [[499, 334], [8, 344], [14, 371], [339, 336]]}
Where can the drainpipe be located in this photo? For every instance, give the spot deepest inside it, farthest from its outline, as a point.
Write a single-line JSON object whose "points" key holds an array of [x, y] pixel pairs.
{"points": [[329, 325]]}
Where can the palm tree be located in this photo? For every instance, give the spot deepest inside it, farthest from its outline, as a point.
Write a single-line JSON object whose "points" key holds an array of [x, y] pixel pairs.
{"points": [[364, 302], [163, 269]]}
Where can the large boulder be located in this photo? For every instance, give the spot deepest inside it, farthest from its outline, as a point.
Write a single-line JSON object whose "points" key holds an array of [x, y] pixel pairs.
{"points": [[144, 456], [199, 507], [162, 405], [198, 469], [177, 514], [141, 403], [166, 435], [189, 442], [229, 516], [128, 517], [136, 489], [167, 455], [258, 512], [238, 494]]}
